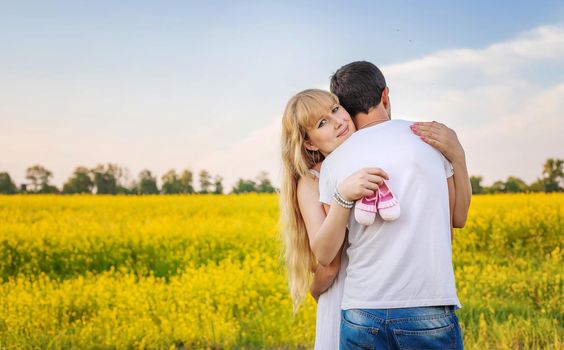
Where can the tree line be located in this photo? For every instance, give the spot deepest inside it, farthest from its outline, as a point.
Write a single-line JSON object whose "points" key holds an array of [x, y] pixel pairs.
{"points": [[552, 180], [114, 179]]}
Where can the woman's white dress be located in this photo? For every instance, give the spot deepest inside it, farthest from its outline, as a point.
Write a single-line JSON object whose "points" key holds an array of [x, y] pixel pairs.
{"points": [[328, 320]]}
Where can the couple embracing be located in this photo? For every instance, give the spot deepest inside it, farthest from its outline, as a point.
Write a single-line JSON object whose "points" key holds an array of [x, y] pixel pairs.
{"points": [[381, 281]]}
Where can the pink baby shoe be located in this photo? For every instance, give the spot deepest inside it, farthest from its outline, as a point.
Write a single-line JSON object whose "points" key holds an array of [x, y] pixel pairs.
{"points": [[365, 209], [388, 205]]}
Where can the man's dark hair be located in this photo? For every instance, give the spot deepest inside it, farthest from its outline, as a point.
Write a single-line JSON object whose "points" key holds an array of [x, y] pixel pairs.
{"points": [[359, 86]]}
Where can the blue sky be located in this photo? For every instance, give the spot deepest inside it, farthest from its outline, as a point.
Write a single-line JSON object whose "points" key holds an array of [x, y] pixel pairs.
{"points": [[163, 85]]}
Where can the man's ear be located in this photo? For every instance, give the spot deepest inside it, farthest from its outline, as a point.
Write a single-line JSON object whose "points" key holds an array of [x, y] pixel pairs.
{"points": [[309, 146], [385, 97]]}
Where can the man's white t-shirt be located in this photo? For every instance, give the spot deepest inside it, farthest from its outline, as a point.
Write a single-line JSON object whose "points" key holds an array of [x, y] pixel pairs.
{"points": [[406, 262]]}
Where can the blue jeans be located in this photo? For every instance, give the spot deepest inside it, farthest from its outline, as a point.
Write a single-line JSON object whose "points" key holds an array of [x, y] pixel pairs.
{"points": [[431, 327]]}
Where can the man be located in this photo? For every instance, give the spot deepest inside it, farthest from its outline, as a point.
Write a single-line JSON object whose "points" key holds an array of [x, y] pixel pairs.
{"points": [[399, 289]]}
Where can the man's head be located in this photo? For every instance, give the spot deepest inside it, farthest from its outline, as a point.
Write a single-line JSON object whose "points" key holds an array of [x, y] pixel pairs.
{"points": [[360, 86]]}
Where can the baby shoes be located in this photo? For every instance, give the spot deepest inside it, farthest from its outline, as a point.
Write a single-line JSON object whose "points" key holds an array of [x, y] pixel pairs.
{"points": [[382, 202]]}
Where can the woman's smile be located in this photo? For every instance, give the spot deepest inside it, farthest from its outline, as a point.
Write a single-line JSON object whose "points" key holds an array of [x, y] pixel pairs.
{"points": [[344, 132]]}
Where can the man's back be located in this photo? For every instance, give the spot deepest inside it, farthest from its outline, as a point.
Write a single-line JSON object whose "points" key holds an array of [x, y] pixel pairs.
{"points": [[407, 262]]}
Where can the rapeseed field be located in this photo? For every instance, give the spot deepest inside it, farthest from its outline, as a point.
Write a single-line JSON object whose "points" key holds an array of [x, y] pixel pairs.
{"points": [[204, 272]]}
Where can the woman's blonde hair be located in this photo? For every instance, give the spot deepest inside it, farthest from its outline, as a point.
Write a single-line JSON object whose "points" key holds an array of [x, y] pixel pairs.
{"points": [[301, 114]]}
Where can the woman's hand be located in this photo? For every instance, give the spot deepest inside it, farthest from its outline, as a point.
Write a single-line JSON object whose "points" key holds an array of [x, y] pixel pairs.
{"points": [[363, 183], [441, 137]]}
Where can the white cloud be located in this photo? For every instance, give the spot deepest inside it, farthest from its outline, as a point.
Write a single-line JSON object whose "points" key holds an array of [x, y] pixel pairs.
{"points": [[543, 43], [509, 116], [508, 121]]}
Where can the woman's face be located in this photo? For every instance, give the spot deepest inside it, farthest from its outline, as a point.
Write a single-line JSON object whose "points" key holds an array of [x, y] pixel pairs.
{"points": [[330, 131]]}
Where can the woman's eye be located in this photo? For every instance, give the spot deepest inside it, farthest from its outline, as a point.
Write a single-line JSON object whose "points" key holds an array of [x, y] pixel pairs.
{"points": [[322, 122], [335, 109]]}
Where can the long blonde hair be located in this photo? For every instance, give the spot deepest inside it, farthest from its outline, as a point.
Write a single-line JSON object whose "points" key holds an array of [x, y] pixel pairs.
{"points": [[301, 114]]}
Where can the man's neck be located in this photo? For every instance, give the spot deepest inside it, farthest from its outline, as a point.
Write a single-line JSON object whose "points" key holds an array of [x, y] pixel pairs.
{"points": [[373, 117]]}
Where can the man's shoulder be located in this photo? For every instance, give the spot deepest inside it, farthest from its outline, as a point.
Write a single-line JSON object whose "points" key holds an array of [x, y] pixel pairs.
{"points": [[325, 167], [385, 127], [400, 122], [340, 151], [381, 134]]}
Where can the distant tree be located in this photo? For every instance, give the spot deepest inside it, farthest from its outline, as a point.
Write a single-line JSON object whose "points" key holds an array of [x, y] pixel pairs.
{"points": [[244, 186], [147, 183], [79, 182], [171, 183], [127, 190], [123, 180], [218, 186], [497, 187], [186, 179], [515, 185], [49, 189], [205, 181], [39, 177], [537, 186], [105, 178], [475, 182], [554, 175], [263, 184], [7, 186]]}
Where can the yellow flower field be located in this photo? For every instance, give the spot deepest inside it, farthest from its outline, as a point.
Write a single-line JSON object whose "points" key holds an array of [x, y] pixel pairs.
{"points": [[204, 272]]}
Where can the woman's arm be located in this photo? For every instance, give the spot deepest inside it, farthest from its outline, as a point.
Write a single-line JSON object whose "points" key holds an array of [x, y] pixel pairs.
{"points": [[326, 235], [463, 193], [445, 141], [313, 214], [451, 202], [324, 276]]}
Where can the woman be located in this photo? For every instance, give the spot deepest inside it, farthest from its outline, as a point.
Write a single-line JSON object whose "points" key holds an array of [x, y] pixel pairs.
{"points": [[307, 137]]}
